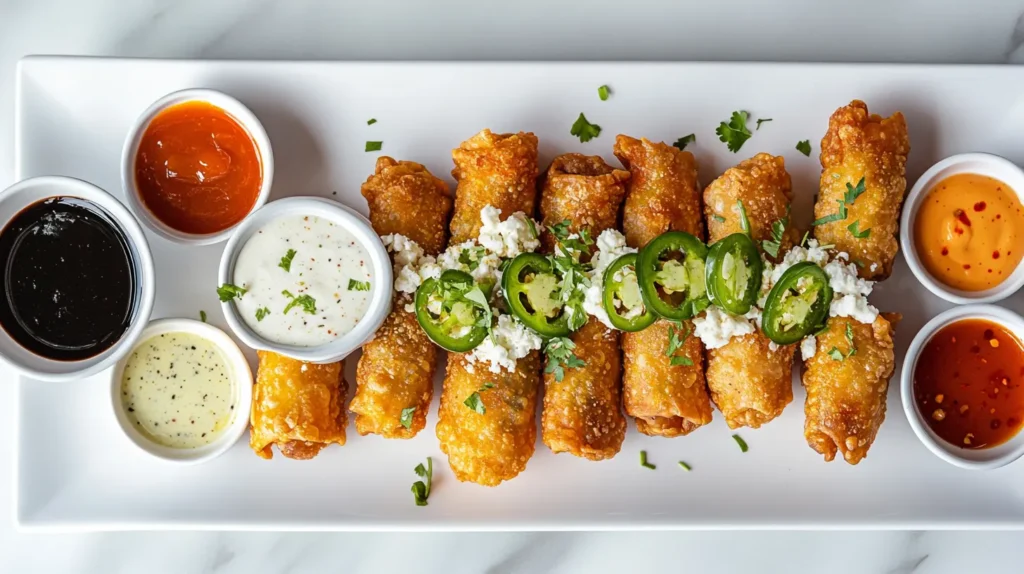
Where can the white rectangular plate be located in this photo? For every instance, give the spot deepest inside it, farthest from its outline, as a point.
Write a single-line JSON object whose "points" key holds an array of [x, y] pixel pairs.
{"points": [[74, 471]]}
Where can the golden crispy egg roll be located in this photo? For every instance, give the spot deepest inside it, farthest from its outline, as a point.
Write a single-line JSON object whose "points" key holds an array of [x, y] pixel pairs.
{"points": [[749, 381], [488, 448], [846, 398], [396, 370], [493, 169], [857, 146], [297, 406], [582, 413], [662, 195]]}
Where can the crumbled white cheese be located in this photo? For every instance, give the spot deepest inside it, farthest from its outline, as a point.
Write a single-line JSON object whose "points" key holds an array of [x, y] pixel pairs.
{"points": [[412, 266], [484, 266], [610, 246], [509, 341], [813, 253], [507, 238], [716, 327], [850, 292], [808, 347]]}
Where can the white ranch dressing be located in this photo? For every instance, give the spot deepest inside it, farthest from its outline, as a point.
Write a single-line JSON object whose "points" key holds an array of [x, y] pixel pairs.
{"points": [[326, 274]]}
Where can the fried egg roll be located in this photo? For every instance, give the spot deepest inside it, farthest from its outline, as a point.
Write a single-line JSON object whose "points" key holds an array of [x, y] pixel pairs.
{"points": [[396, 370], [297, 406], [751, 380], [493, 169], [582, 413], [846, 398], [495, 445], [662, 195], [857, 146]]}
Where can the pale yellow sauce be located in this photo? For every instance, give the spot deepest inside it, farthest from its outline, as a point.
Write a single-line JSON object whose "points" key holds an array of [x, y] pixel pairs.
{"points": [[177, 390]]}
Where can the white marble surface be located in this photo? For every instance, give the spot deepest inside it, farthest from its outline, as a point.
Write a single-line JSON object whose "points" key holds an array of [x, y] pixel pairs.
{"points": [[938, 31]]}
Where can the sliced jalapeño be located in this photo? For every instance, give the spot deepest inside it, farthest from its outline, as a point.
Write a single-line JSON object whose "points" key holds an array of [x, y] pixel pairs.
{"points": [[453, 311], [670, 271], [531, 289], [622, 299], [733, 273], [797, 305]]}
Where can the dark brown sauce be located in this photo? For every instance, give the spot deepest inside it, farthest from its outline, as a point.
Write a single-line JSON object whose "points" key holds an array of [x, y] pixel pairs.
{"points": [[69, 279]]}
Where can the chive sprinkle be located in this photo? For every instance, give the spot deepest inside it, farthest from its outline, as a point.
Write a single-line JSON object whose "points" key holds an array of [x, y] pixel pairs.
{"points": [[739, 440], [684, 466], [643, 460]]}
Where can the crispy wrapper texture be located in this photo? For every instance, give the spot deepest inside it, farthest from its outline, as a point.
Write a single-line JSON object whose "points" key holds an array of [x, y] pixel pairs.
{"points": [[584, 190], [749, 382], [662, 195], [862, 145], [846, 399], [297, 406], [582, 413], [396, 370], [496, 445], [497, 170], [493, 169]]}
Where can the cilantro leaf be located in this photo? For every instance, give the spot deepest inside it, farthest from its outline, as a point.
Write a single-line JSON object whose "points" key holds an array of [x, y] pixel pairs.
{"points": [[683, 361], [261, 313], [718, 218], [560, 356], [371, 121], [837, 216], [734, 133], [202, 315], [761, 121], [744, 222], [307, 303], [856, 231], [406, 418], [474, 402], [804, 147], [836, 354], [354, 285], [227, 292], [853, 192], [682, 142], [286, 261], [584, 130], [421, 491], [771, 247], [374, 146], [603, 92], [676, 338]]}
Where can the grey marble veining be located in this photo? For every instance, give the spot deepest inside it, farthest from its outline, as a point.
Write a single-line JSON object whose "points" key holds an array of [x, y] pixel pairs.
{"points": [[939, 31]]}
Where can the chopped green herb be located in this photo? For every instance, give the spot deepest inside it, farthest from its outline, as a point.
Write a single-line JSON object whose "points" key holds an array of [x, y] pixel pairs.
{"points": [[421, 491], [676, 338], [374, 146], [771, 247], [584, 130], [474, 402], [718, 218], [804, 147], [202, 315], [682, 142], [851, 195], [603, 92], [643, 460], [406, 418], [227, 292], [371, 121], [354, 285], [744, 222], [853, 192], [836, 354], [739, 440], [761, 121], [533, 227], [682, 464], [734, 133], [681, 361], [560, 356], [307, 303], [261, 313], [837, 216], [803, 242], [286, 261], [856, 231]]}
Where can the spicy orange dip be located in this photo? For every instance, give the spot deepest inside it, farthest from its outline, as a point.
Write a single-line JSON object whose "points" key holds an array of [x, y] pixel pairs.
{"points": [[969, 231], [967, 383], [197, 169]]}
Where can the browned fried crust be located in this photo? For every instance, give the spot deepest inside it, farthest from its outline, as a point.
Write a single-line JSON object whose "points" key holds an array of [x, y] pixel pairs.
{"points": [[859, 144], [584, 190], [750, 383], [405, 198]]}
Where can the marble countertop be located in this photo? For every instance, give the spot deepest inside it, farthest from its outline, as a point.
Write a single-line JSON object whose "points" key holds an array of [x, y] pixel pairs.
{"points": [[934, 31]]}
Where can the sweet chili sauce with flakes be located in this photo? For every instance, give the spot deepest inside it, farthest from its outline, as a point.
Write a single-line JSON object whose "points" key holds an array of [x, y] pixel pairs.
{"points": [[197, 169], [967, 384]]}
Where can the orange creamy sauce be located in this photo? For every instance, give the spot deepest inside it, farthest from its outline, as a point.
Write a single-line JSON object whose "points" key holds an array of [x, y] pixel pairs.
{"points": [[968, 232], [967, 384], [197, 168]]}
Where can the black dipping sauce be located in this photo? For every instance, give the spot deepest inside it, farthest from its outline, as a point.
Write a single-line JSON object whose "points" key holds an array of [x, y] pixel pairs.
{"points": [[69, 279]]}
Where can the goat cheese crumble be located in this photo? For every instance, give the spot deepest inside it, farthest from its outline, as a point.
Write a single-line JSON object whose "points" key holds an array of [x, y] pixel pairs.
{"points": [[508, 342], [610, 246], [717, 327]]}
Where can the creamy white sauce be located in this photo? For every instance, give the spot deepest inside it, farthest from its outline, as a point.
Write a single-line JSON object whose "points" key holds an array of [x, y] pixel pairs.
{"points": [[177, 390], [326, 273]]}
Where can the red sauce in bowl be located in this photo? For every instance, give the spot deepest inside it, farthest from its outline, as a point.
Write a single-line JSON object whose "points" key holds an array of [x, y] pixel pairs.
{"points": [[967, 383], [197, 169]]}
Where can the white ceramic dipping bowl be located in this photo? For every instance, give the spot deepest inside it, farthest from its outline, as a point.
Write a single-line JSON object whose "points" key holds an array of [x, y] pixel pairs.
{"points": [[238, 369], [380, 263], [249, 122], [975, 459], [25, 193], [980, 163]]}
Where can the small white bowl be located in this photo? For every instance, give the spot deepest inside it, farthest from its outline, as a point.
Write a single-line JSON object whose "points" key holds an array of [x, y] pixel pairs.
{"points": [[974, 459], [249, 122], [350, 220], [239, 371], [27, 192], [980, 163]]}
